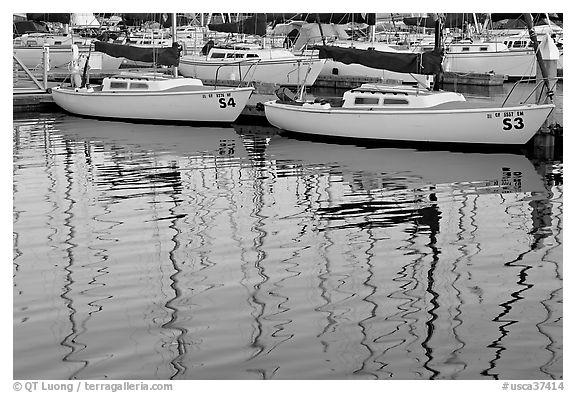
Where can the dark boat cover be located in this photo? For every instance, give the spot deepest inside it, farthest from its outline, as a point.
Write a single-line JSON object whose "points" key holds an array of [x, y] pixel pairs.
{"points": [[158, 56], [429, 62], [28, 26], [53, 17], [340, 19], [253, 25], [449, 20]]}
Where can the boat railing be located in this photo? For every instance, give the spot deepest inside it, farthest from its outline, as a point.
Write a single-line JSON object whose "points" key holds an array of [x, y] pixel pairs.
{"points": [[251, 63], [542, 91]]}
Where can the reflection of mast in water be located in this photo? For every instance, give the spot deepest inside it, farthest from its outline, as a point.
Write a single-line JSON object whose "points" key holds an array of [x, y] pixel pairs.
{"points": [[453, 361], [431, 218], [70, 341], [541, 229], [173, 177], [255, 146], [380, 332], [553, 305], [542, 218], [259, 171]]}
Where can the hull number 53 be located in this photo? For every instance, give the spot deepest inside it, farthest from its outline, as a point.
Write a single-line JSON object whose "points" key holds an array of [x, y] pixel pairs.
{"points": [[508, 123]]}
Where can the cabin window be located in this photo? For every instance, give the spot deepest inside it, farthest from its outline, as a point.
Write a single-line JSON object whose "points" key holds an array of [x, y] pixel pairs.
{"points": [[483, 49], [395, 101], [466, 49], [252, 55], [218, 55], [366, 101], [518, 44], [57, 42], [118, 85], [138, 85]]}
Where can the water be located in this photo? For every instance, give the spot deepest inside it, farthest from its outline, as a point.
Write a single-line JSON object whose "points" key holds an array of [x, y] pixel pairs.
{"points": [[176, 252]]}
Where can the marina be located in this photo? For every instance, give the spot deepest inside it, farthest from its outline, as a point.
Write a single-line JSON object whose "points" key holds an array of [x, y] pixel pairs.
{"points": [[297, 225]]}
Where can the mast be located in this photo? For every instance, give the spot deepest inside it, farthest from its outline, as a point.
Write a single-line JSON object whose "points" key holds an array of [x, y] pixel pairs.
{"points": [[320, 28], [476, 25], [174, 40], [437, 48], [534, 39]]}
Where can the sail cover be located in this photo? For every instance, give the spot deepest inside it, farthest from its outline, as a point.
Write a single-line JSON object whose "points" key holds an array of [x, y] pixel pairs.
{"points": [[429, 62], [159, 56], [54, 17], [253, 25], [369, 18]]}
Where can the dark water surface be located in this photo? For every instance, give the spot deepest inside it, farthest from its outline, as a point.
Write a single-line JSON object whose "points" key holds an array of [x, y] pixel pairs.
{"points": [[178, 252]]}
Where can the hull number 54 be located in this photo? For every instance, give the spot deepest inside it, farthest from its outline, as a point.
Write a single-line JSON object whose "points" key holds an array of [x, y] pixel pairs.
{"points": [[227, 102]]}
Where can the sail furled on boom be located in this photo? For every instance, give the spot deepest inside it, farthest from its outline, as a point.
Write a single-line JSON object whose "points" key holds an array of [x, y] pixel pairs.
{"points": [[449, 20], [50, 17], [136, 19], [429, 62], [255, 24], [160, 56], [336, 18]]}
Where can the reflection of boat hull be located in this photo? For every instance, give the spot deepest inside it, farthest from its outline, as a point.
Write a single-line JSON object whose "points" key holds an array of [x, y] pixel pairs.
{"points": [[206, 104], [470, 172], [288, 71], [173, 140], [506, 126]]}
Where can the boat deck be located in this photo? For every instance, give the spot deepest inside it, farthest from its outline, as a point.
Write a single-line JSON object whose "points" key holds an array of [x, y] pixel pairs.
{"points": [[336, 103]]}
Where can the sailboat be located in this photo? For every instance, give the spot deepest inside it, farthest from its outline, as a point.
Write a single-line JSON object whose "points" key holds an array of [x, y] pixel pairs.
{"points": [[152, 95], [29, 47], [398, 113], [250, 62]]}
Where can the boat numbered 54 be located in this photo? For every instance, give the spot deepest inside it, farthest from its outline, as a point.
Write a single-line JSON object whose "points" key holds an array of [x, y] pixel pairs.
{"points": [[154, 97]]}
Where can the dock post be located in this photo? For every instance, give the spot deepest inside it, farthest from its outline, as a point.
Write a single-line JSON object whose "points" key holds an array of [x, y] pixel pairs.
{"points": [[45, 65]]}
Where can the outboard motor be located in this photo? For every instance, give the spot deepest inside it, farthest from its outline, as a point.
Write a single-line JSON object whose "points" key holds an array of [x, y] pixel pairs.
{"points": [[285, 94]]}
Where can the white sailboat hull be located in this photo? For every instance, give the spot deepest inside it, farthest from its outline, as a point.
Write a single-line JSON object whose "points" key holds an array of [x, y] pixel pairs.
{"points": [[507, 126], [206, 105], [514, 64], [336, 68], [289, 71], [61, 56]]}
